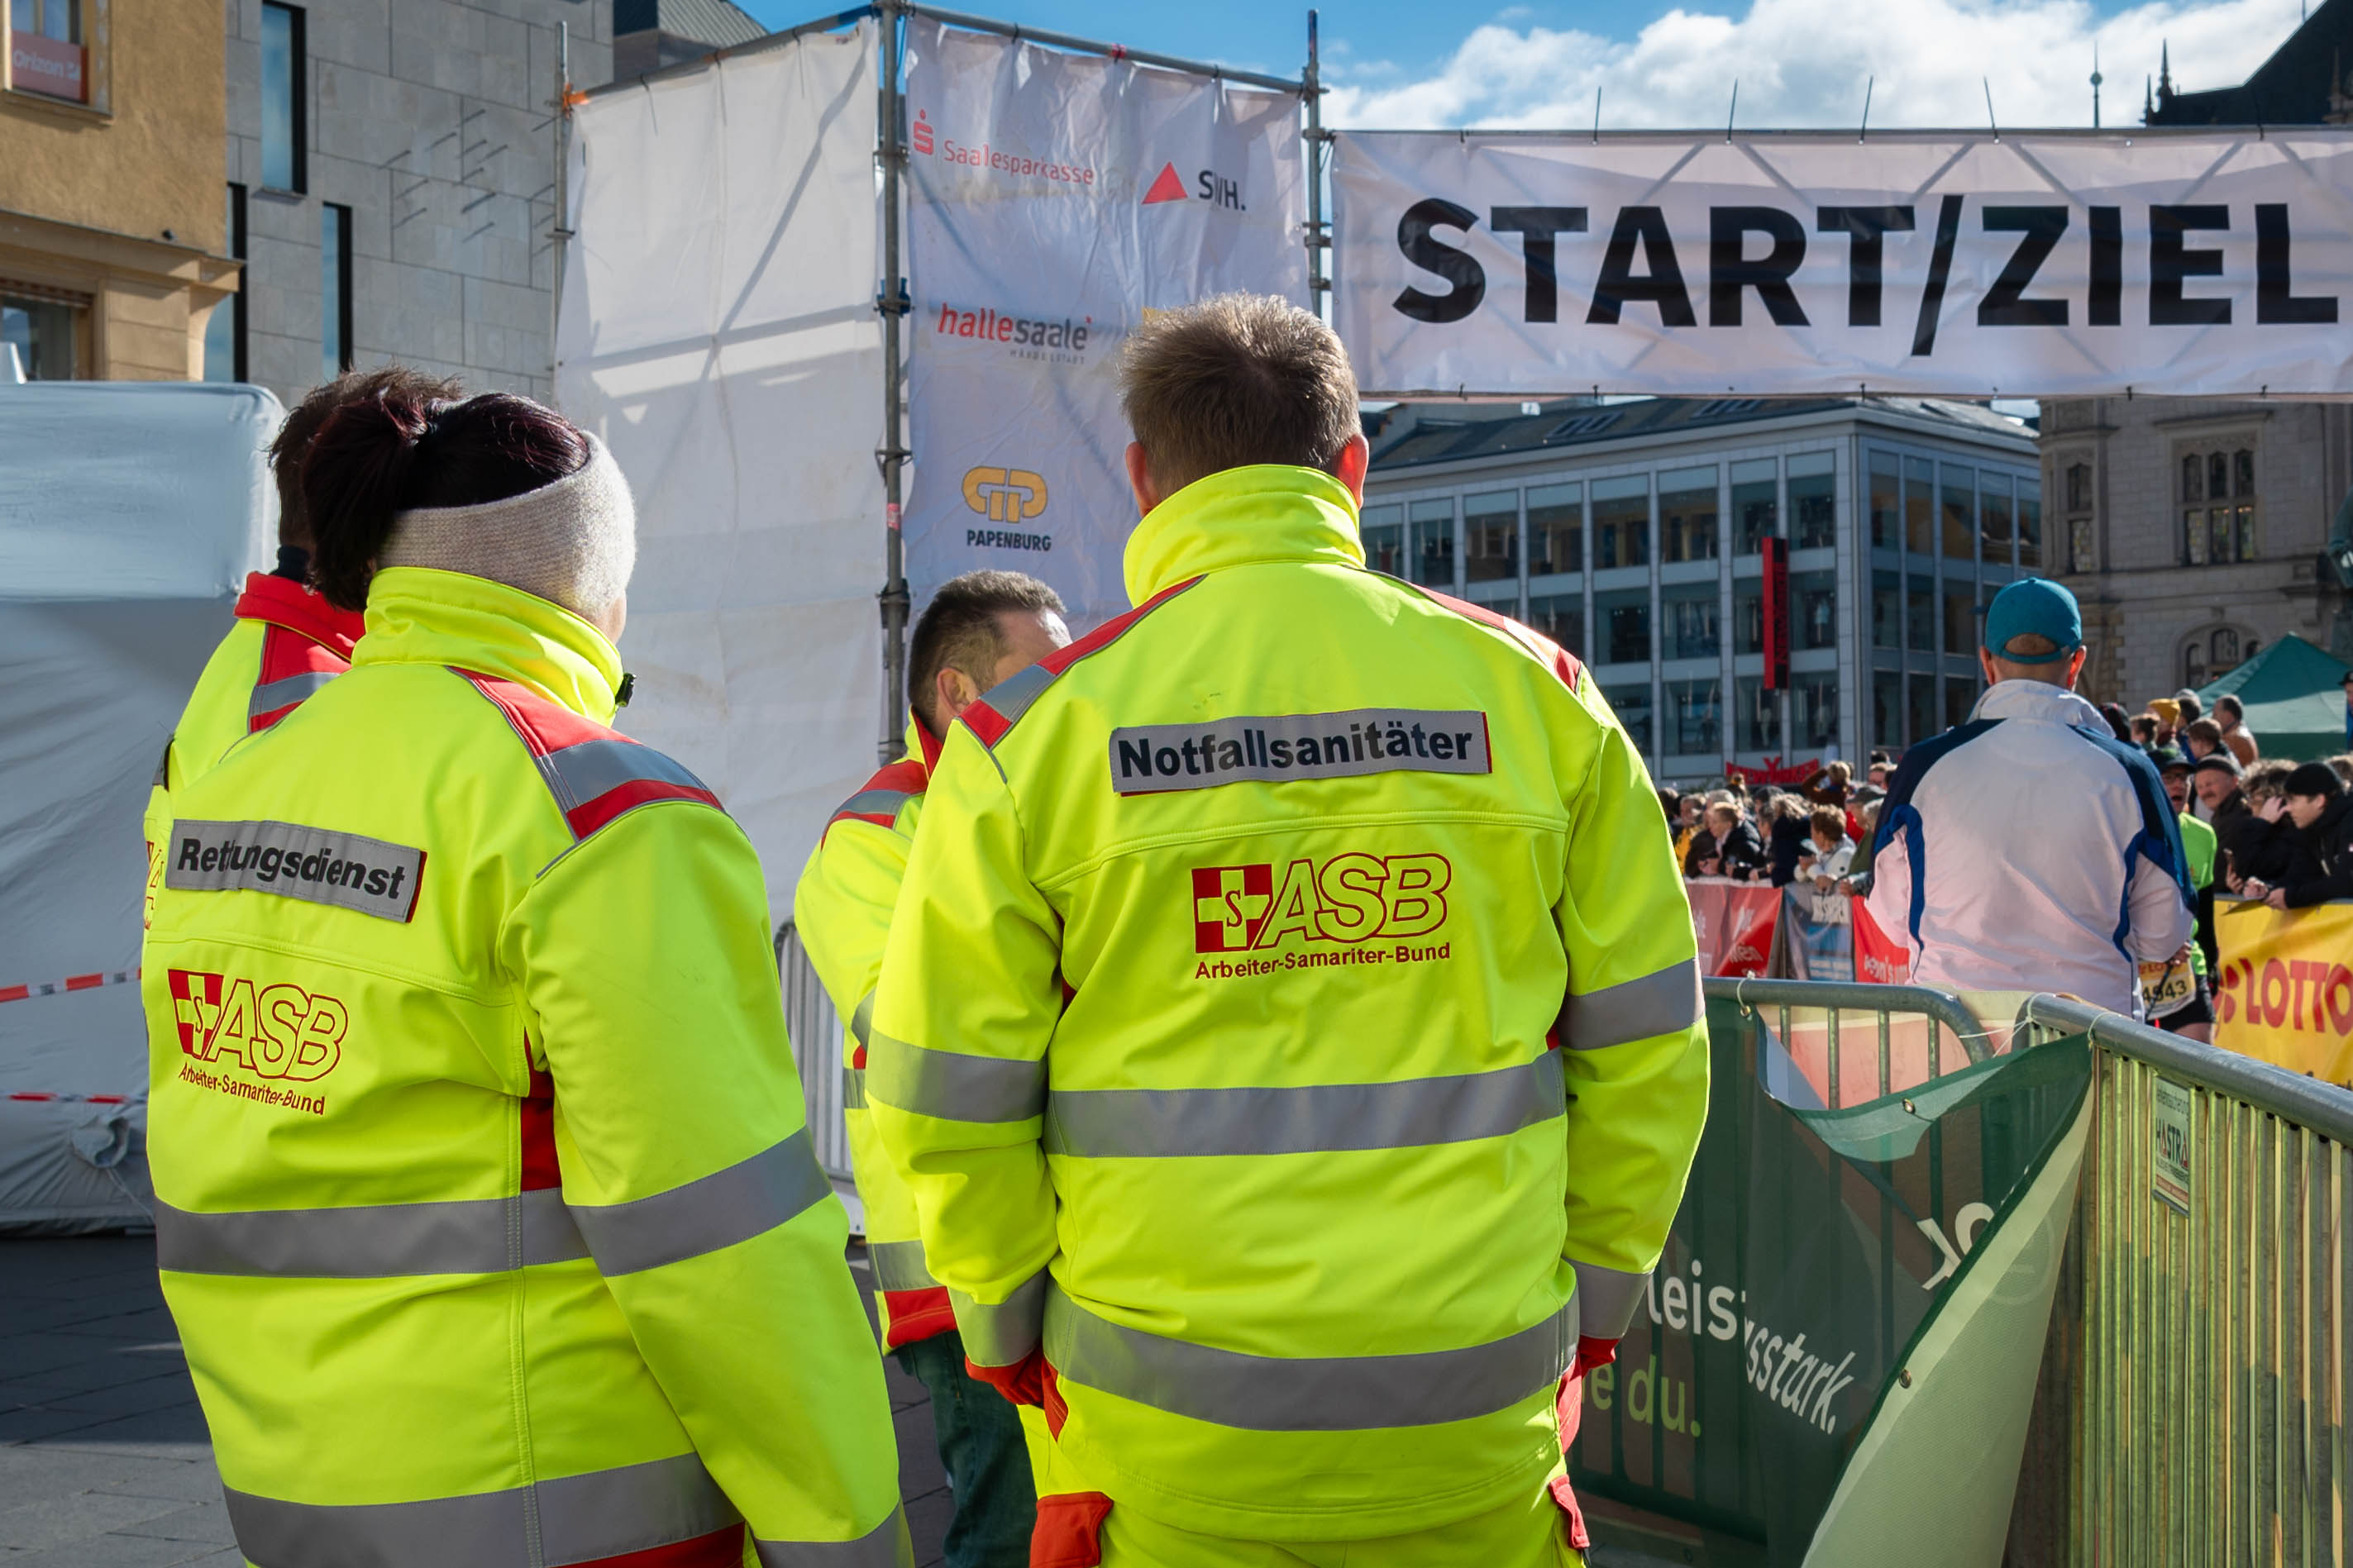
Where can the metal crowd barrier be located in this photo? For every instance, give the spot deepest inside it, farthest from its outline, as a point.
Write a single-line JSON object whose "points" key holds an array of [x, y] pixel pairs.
{"points": [[2195, 1393], [817, 1052]]}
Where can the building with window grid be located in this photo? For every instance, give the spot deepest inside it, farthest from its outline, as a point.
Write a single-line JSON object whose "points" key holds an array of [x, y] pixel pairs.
{"points": [[1630, 532]]}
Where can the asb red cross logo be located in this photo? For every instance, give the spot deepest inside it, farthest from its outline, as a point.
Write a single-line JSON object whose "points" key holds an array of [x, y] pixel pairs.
{"points": [[1229, 906]]}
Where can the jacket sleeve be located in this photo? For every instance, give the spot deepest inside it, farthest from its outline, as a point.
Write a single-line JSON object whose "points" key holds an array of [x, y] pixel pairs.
{"points": [[842, 909], [1632, 1033], [2162, 903], [651, 993], [956, 1076]]}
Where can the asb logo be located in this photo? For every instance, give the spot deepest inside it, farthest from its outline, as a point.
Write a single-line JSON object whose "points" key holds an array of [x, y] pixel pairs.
{"points": [[272, 1031], [1005, 495], [1350, 898], [1208, 186]]}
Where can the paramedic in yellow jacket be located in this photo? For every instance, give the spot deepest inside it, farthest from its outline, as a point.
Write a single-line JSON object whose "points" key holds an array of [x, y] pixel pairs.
{"points": [[484, 1203], [1290, 1028], [979, 630], [288, 641]]}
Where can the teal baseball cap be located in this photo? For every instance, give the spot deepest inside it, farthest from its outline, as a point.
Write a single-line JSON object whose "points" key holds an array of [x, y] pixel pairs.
{"points": [[2035, 608]]}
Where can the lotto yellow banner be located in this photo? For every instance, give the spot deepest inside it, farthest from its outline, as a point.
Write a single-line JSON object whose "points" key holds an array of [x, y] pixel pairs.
{"points": [[2287, 991]]}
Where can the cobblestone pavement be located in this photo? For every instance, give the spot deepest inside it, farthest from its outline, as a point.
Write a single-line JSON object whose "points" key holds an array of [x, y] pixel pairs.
{"points": [[104, 1461]]}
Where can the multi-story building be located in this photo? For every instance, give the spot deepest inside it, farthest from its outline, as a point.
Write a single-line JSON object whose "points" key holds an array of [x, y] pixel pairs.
{"points": [[1633, 534], [112, 250], [391, 186], [2191, 529], [651, 35]]}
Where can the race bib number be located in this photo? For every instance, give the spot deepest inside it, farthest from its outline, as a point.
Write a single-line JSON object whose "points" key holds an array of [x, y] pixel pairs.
{"points": [[2169, 986]]}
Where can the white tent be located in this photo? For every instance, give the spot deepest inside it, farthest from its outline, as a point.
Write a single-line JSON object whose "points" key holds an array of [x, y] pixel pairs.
{"points": [[129, 515]]}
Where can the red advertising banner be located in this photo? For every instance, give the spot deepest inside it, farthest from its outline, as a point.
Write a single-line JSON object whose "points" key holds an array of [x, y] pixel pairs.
{"points": [[44, 66], [1776, 613], [1733, 924], [1879, 959]]}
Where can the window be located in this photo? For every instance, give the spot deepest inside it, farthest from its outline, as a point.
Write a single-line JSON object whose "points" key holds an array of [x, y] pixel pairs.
{"points": [[46, 52], [1382, 529], [1433, 542], [1920, 706], [1994, 527], [335, 292], [1687, 514], [2029, 522], [284, 119], [1919, 505], [43, 329], [1813, 500], [1622, 522], [2209, 655], [1632, 706], [1883, 502], [1815, 702], [1887, 710], [2218, 507], [1961, 696], [1695, 707], [1748, 615], [1960, 617], [1756, 506], [1622, 619], [2079, 486], [1887, 610], [1756, 717], [1960, 505], [1691, 613], [1813, 609], [1491, 537], [1920, 612], [225, 328], [1560, 617], [1556, 530]]}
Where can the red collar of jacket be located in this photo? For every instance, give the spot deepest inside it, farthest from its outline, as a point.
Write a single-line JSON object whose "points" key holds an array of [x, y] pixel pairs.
{"points": [[298, 609]]}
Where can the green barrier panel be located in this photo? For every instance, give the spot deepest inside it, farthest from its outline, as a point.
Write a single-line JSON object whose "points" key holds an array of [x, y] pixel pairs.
{"points": [[1851, 1309]]}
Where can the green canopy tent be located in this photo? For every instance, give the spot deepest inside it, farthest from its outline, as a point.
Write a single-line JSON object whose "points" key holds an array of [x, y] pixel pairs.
{"points": [[2293, 699]]}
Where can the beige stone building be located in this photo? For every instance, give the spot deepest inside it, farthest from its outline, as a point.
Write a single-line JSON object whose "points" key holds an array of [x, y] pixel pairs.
{"points": [[2191, 531], [112, 230]]}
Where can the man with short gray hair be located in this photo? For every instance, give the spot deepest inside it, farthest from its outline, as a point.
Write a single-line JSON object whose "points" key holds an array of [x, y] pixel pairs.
{"points": [[1290, 1028]]}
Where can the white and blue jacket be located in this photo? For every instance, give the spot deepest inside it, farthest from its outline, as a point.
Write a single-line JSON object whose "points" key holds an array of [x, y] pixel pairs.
{"points": [[2031, 851]]}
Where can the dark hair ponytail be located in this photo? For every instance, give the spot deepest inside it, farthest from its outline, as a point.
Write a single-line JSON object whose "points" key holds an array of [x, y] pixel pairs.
{"points": [[382, 455]]}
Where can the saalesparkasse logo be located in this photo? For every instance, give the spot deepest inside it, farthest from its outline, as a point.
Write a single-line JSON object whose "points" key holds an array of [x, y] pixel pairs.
{"points": [[1006, 496], [1315, 913]]}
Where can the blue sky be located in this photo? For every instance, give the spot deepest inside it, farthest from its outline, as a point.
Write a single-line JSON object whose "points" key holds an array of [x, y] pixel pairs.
{"points": [[1799, 62]]}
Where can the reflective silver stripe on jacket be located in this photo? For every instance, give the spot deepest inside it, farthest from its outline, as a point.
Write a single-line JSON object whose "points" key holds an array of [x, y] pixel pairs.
{"points": [[887, 1546], [748, 1198], [1004, 1334], [861, 1021], [372, 1241], [1322, 1393], [277, 694], [1132, 1123], [873, 803], [572, 1518], [1012, 697], [1660, 1003], [952, 1086], [590, 769], [853, 1089], [1606, 1299], [899, 1265]]}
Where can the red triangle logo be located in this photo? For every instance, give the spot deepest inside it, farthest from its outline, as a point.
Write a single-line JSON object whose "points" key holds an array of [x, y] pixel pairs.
{"points": [[1166, 188]]}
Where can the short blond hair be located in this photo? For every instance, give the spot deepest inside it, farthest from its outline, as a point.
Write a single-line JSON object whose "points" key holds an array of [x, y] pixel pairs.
{"points": [[1236, 380]]}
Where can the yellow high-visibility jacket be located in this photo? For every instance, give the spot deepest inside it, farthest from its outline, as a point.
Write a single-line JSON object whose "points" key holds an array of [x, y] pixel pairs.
{"points": [[1291, 1025], [841, 909], [484, 1201], [288, 642]]}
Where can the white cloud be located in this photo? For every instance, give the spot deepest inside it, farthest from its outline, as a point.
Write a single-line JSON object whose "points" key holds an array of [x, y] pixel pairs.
{"points": [[1804, 63]]}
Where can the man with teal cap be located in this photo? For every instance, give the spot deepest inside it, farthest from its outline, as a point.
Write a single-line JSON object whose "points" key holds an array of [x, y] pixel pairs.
{"points": [[2029, 849]]}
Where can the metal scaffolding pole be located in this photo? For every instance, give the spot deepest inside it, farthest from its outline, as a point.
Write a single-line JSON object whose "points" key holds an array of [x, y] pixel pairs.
{"points": [[892, 304], [1318, 140]]}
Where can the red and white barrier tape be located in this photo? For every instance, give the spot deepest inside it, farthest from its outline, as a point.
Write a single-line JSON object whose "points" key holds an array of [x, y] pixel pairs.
{"points": [[79, 1098], [71, 983]]}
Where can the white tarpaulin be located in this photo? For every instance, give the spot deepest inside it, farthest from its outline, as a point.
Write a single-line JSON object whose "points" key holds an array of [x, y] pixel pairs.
{"points": [[2213, 263], [132, 514], [1052, 199], [718, 332]]}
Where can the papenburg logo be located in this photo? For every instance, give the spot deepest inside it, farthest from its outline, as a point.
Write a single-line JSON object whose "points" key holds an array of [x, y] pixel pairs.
{"points": [[272, 1031], [1005, 495], [1348, 898]]}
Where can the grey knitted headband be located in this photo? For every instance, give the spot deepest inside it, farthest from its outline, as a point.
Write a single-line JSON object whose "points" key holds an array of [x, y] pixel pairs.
{"points": [[574, 542]]}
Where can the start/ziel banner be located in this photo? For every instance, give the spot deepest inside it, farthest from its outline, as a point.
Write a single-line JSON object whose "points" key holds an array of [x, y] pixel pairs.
{"points": [[2044, 264]]}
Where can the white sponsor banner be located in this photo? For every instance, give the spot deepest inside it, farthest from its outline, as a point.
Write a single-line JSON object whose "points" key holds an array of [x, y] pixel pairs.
{"points": [[1936, 262], [1052, 199]]}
